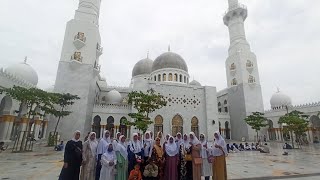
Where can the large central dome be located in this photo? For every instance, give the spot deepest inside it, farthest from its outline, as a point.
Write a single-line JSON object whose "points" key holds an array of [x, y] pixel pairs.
{"points": [[169, 60]]}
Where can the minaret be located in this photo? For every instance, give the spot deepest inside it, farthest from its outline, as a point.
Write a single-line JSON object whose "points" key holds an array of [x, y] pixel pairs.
{"points": [[243, 79], [79, 67]]}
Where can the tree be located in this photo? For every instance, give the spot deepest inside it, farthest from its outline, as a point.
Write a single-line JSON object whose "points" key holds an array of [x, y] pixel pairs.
{"points": [[34, 99], [62, 101], [295, 122], [144, 103], [256, 121]]}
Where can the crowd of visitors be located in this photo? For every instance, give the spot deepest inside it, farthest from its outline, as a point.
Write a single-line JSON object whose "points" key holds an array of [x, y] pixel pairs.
{"points": [[144, 157]]}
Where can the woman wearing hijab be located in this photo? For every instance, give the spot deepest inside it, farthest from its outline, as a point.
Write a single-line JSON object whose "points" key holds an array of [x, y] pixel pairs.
{"points": [[72, 158], [89, 158], [196, 158], [135, 153], [162, 139], [102, 148], [219, 151], [206, 166], [147, 145], [185, 167], [122, 158], [108, 162], [158, 156], [171, 150]]}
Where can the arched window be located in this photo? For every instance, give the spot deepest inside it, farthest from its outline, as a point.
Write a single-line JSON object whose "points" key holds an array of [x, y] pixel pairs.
{"points": [[195, 126], [110, 125], [123, 127], [232, 67], [180, 78], [159, 77], [6, 105], [155, 78], [164, 77], [158, 124], [175, 77], [249, 64], [219, 127], [96, 125], [271, 131], [170, 77], [219, 106], [184, 79], [103, 100], [225, 105], [234, 82], [177, 125], [251, 79]]}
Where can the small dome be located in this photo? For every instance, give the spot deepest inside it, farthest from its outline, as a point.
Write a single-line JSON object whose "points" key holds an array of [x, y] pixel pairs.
{"points": [[195, 83], [24, 71], [114, 97], [279, 99], [169, 60], [143, 66]]}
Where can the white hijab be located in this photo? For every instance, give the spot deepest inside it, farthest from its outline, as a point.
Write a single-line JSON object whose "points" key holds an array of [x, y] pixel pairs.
{"points": [[74, 136], [203, 149], [221, 142], [135, 146], [103, 143], [162, 139], [171, 148], [110, 156], [186, 143], [122, 148], [93, 143], [179, 141], [195, 140], [147, 145]]}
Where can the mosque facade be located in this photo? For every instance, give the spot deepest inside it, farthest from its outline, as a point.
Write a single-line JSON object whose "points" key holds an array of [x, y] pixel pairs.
{"points": [[190, 106]]}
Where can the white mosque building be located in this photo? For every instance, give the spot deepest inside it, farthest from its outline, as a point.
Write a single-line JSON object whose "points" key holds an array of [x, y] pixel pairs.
{"points": [[190, 106]]}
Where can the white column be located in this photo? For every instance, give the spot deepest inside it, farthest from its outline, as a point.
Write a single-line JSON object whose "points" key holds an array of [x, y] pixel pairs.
{"points": [[102, 130], [36, 130], [45, 129]]}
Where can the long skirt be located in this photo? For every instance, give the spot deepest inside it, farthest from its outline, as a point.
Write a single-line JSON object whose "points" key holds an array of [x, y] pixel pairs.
{"points": [[219, 168], [70, 173], [171, 172], [196, 171], [206, 167]]}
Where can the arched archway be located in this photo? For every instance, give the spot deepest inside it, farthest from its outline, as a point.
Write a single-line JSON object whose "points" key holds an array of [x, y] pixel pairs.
{"points": [[5, 105], [158, 124], [96, 125], [227, 129], [315, 124], [195, 126], [110, 125], [123, 127], [177, 125], [272, 134], [219, 127]]}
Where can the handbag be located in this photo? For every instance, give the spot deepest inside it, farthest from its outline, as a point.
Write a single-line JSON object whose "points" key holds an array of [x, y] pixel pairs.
{"points": [[197, 161], [77, 150], [187, 157]]}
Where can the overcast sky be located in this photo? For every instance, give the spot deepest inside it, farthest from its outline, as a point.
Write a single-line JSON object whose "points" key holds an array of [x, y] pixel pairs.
{"points": [[284, 34]]}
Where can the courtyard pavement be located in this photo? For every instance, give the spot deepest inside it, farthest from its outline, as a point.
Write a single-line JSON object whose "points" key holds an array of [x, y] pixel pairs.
{"points": [[45, 164]]}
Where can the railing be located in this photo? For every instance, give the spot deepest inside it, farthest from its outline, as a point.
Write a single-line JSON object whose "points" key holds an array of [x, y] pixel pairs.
{"points": [[234, 7]]}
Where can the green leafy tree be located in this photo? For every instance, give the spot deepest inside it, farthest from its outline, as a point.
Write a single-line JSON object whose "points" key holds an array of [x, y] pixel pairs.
{"points": [[34, 99], [61, 101], [295, 123], [256, 121], [144, 103]]}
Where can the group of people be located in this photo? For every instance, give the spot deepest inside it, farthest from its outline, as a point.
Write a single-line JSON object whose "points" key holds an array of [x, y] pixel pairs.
{"points": [[247, 147], [144, 157]]}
